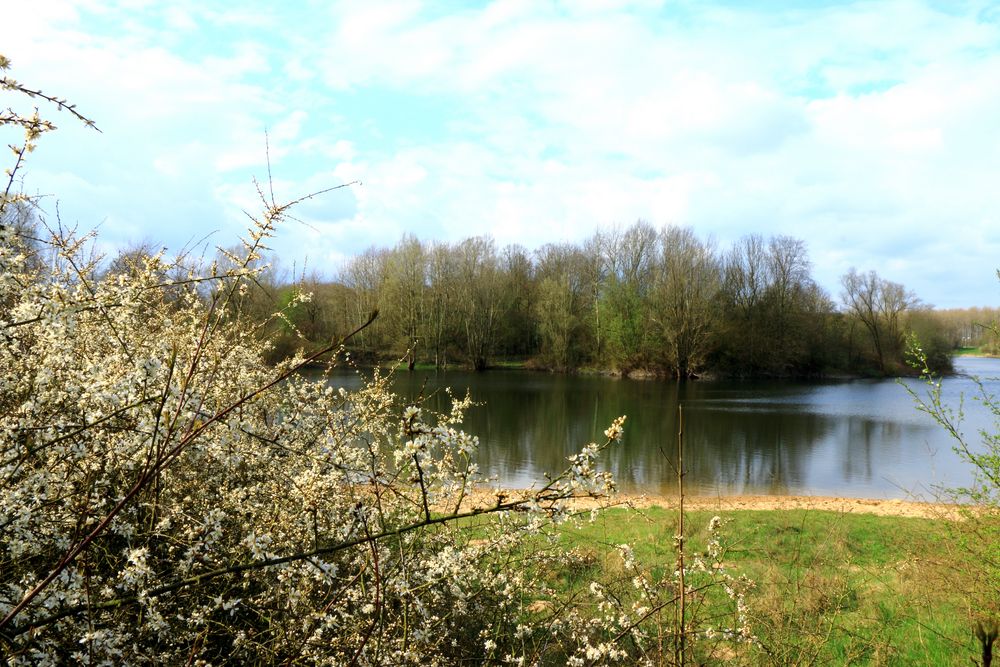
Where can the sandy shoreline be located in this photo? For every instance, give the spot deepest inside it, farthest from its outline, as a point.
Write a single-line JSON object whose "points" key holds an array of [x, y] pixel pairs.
{"points": [[880, 507]]}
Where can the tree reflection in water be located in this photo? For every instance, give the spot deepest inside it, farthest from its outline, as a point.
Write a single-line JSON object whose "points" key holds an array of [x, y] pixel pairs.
{"points": [[854, 438]]}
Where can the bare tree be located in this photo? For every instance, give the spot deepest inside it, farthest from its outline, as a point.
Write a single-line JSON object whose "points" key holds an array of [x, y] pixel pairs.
{"points": [[686, 287], [405, 293], [745, 285], [788, 270], [442, 274], [518, 332], [629, 259], [482, 304], [566, 296], [878, 304], [860, 296], [365, 274]]}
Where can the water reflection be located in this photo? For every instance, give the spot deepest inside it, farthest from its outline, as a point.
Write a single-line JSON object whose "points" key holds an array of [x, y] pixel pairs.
{"points": [[857, 438]]}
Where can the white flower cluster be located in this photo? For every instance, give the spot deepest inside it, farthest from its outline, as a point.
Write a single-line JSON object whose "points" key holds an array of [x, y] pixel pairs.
{"points": [[617, 428]]}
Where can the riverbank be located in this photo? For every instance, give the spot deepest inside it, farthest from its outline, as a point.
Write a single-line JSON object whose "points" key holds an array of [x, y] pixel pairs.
{"points": [[878, 507], [711, 375], [836, 580], [481, 498], [973, 352]]}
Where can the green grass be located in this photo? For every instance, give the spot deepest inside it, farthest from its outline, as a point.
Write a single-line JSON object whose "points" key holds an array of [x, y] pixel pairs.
{"points": [[401, 366], [427, 366], [978, 351], [509, 364], [830, 588]]}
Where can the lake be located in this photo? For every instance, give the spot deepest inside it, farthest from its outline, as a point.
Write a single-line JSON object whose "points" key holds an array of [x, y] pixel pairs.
{"points": [[859, 438]]}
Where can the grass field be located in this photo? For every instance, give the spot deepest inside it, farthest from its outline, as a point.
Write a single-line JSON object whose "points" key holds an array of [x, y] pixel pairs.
{"points": [[831, 588]]}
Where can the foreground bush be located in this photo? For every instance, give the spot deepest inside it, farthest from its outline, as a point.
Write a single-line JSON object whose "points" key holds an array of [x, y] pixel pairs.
{"points": [[166, 497], [165, 494]]}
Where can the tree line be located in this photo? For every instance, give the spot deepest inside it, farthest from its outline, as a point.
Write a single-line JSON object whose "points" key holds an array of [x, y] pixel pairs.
{"points": [[971, 328], [634, 300]]}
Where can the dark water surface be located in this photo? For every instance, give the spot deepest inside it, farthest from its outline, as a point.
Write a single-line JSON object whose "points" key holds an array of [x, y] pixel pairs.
{"points": [[860, 438]]}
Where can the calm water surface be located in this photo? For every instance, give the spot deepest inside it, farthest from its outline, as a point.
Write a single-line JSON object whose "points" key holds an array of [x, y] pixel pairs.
{"points": [[860, 438]]}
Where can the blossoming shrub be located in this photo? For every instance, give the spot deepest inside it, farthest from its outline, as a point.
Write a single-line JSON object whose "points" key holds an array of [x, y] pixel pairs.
{"points": [[156, 504], [166, 497]]}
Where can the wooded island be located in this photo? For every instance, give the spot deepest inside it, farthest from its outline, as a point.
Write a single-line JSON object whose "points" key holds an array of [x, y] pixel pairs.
{"points": [[635, 301]]}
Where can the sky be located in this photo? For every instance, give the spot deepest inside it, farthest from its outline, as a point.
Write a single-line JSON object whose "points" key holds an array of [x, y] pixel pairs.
{"points": [[870, 130]]}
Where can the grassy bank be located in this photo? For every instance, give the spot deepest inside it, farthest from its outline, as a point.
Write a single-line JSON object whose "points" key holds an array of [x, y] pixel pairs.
{"points": [[979, 351], [510, 364], [831, 588], [652, 373]]}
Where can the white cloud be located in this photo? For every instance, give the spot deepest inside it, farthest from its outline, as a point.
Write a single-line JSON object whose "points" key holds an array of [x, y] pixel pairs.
{"points": [[867, 129]]}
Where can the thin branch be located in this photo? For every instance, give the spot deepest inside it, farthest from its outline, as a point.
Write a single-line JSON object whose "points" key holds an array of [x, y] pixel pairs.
{"points": [[7, 83]]}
